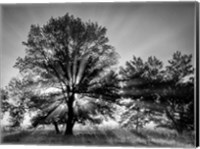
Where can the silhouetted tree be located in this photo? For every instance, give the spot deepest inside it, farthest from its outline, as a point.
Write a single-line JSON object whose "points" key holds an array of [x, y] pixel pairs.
{"points": [[73, 56]]}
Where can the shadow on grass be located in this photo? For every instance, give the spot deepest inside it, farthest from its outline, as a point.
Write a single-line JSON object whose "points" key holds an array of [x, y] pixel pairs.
{"points": [[164, 139], [139, 134], [156, 144], [49, 137], [97, 138], [15, 137]]}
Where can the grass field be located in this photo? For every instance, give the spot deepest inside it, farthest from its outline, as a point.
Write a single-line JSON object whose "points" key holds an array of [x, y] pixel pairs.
{"points": [[101, 136]]}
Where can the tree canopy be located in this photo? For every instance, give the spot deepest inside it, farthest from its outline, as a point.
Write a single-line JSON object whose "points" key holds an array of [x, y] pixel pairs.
{"points": [[73, 56], [166, 94]]}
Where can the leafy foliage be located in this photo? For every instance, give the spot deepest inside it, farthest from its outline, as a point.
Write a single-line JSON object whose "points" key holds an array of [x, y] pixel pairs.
{"points": [[5, 105], [142, 77], [17, 115], [72, 56], [136, 115], [18, 96], [179, 96], [167, 96]]}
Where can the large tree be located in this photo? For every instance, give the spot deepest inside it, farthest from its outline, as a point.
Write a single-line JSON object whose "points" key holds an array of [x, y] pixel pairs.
{"points": [[73, 56]]}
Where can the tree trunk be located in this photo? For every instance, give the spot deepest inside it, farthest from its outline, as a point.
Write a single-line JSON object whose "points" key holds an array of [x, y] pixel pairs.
{"points": [[70, 120], [137, 120], [174, 122], [56, 127], [137, 123]]}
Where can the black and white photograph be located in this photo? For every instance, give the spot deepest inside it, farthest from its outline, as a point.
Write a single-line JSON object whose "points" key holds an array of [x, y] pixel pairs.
{"points": [[99, 74]]}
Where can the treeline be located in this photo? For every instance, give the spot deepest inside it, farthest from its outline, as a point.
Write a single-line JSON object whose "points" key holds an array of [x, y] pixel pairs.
{"points": [[164, 95]]}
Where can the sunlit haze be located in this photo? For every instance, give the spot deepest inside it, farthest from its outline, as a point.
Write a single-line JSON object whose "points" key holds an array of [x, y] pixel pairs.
{"points": [[141, 29]]}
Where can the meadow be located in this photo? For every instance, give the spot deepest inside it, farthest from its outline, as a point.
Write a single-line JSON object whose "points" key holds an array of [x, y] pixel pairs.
{"points": [[100, 136]]}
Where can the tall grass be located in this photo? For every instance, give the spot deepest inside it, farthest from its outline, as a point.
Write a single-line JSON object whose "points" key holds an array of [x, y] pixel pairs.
{"points": [[102, 136]]}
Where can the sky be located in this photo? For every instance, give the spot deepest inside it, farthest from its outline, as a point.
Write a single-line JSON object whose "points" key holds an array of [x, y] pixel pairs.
{"points": [[140, 29]]}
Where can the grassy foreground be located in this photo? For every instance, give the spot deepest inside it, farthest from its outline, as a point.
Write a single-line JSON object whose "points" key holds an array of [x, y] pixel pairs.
{"points": [[104, 137]]}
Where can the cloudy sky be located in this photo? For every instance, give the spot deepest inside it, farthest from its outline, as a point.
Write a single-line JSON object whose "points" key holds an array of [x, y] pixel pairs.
{"points": [[141, 29]]}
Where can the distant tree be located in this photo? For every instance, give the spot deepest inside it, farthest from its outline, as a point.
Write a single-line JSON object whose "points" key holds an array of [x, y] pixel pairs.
{"points": [[4, 102], [178, 93], [168, 94], [141, 81], [73, 56], [179, 67], [20, 94], [17, 115], [135, 115]]}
